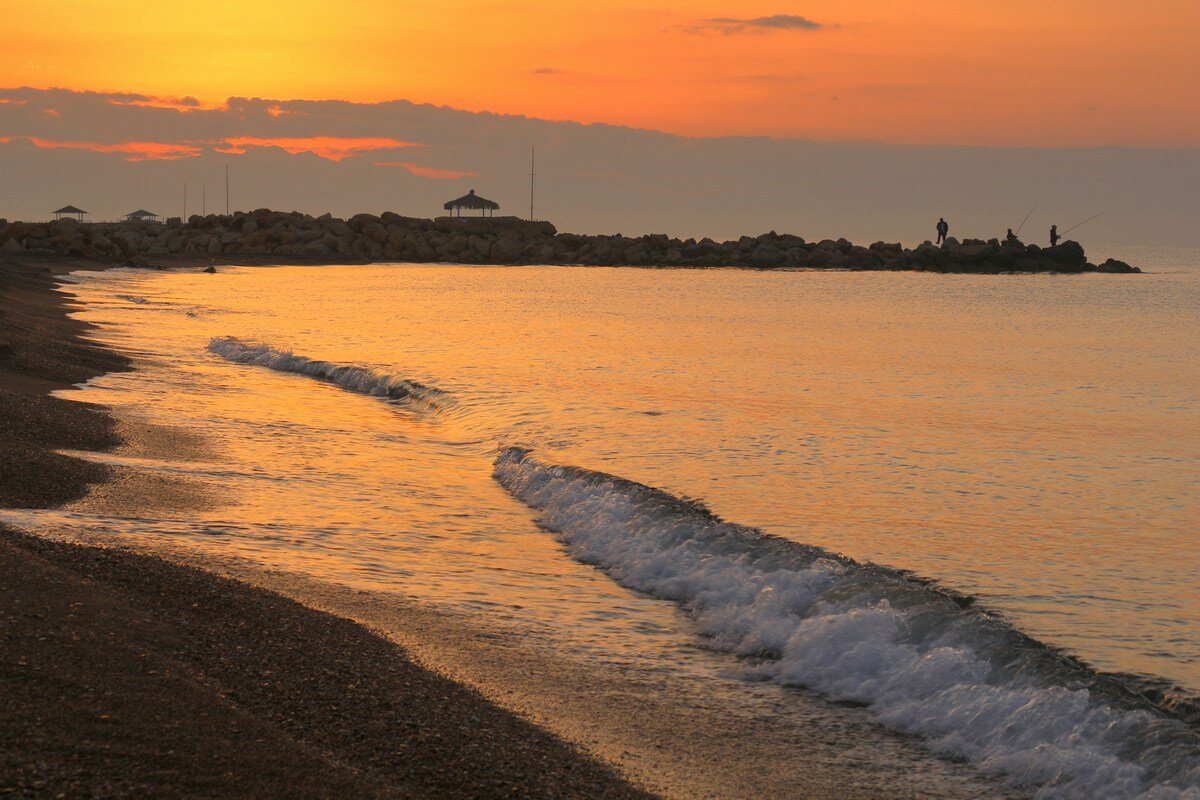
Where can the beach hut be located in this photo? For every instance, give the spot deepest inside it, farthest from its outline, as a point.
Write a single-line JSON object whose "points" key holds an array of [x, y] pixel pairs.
{"points": [[141, 215], [471, 202], [70, 211]]}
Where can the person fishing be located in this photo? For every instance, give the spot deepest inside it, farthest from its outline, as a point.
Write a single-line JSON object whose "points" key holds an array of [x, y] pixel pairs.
{"points": [[1011, 237], [1054, 237], [942, 230]]}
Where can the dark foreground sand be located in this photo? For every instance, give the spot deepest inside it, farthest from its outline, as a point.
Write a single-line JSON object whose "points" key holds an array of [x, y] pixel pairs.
{"points": [[123, 675]]}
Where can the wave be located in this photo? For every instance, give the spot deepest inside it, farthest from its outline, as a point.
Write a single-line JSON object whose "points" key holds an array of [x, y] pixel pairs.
{"points": [[349, 377], [141, 301], [923, 660]]}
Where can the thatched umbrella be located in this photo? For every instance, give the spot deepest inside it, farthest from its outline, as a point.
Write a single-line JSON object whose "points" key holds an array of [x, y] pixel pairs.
{"points": [[471, 202]]}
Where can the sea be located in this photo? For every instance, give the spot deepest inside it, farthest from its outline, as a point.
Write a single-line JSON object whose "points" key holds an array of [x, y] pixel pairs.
{"points": [[740, 533]]}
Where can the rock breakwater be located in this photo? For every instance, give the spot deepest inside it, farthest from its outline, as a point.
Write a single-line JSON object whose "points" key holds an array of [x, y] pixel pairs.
{"points": [[509, 240]]}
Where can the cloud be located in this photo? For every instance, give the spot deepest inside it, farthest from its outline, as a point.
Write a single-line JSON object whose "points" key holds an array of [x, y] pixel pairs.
{"points": [[110, 158], [133, 151], [547, 71], [427, 172], [333, 148], [777, 22], [188, 103]]}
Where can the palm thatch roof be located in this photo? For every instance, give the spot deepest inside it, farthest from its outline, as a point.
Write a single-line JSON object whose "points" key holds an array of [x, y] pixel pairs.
{"points": [[70, 210], [141, 213], [473, 202]]}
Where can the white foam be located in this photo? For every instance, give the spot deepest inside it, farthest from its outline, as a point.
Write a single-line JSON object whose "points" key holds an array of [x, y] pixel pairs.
{"points": [[351, 378], [920, 662]]}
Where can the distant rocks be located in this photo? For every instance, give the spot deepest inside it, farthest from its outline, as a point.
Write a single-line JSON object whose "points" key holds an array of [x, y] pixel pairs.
{"points": [[1112, 265], [509, 240]]}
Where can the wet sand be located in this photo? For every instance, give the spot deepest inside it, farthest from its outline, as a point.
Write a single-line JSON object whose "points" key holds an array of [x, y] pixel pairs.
{"points": [[124, 675]]}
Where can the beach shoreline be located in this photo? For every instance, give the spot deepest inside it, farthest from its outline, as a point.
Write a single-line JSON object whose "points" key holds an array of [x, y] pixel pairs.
{"points": [[127, 675]]}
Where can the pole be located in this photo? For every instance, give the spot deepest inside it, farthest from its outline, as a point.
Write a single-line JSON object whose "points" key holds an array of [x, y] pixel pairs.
{"points": [[532, 174], [203, 200], [227, 190], [185, 201], [1027, 216], [1085, 222]]}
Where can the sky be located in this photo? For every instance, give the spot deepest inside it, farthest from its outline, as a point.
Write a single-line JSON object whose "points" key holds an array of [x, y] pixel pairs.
{"points": [[1018, 72], [694, 118]]}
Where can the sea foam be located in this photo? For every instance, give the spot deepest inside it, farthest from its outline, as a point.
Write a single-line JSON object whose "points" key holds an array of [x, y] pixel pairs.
{"points": [[352, 378], [924, 661]]}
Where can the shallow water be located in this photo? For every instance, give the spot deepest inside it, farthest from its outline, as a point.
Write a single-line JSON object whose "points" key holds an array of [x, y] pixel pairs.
{"points": [[1030, 441]]}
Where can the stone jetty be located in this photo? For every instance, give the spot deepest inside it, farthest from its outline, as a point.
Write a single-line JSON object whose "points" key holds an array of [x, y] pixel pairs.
{"points": [[292, 236]]}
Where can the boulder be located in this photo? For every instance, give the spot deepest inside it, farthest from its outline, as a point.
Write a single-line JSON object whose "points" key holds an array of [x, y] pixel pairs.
{"points": [[481, 245], [1115, 266], [1068, 256], [767, 255]]}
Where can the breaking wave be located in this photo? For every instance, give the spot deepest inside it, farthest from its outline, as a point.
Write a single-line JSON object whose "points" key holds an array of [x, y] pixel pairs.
{"points": [[349, 377], [924, 661]]}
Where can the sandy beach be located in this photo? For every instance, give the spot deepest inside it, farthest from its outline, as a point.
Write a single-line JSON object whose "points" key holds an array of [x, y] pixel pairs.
{"points": [[124, 675]]}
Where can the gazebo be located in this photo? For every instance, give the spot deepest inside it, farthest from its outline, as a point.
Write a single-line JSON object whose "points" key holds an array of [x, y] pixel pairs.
{"points": [[141, 215], [471, 202], [70, 211]]}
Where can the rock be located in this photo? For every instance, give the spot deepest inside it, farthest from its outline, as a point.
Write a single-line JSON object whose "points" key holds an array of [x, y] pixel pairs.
{"points": [[1068, 256], [1115, 266], [767, 255], [480, 245], [12, 246], [506, 249], [210, 269]]}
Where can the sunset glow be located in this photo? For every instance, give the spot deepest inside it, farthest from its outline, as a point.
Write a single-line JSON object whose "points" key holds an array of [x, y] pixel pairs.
{"points": [[332, 148], [133, 151], [1024, 72]]}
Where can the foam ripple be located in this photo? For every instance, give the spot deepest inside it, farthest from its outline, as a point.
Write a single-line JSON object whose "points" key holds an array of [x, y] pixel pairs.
{"points": [[924, 660], [352, 378]]}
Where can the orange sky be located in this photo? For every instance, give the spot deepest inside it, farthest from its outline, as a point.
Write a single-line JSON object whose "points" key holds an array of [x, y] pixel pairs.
{"points": [[1017, 72]]}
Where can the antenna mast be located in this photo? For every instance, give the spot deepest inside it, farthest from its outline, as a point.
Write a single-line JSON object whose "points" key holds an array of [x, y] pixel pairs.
{"points": [[532, 174], [203, 200], [185, 201], [227, 190]]}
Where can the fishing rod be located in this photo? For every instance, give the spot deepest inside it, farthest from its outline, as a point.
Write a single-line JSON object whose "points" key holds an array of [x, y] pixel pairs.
{"points": [[1030, 214], [1085, 222]]}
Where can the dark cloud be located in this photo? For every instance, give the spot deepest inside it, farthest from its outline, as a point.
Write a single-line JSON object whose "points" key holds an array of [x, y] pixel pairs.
{"points": [[547, 71], [776, 22], [113, 153]]}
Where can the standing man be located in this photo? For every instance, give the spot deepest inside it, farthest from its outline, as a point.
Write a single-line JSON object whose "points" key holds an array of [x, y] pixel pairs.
{"points": [[942, 230], [1054, 237]]}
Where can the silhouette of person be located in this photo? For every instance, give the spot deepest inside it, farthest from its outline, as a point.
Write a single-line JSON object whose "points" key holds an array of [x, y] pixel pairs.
{"points": [[942, 230], [1054, 237], [1010, 236]]}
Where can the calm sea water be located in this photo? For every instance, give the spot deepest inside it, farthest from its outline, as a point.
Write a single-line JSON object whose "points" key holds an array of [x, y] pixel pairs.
{"points": [[1032, 442]]}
